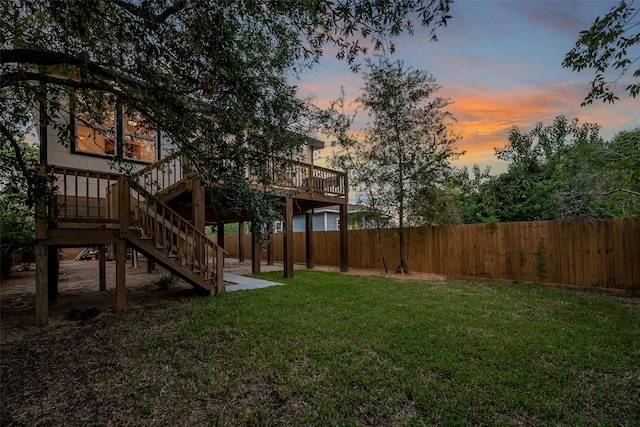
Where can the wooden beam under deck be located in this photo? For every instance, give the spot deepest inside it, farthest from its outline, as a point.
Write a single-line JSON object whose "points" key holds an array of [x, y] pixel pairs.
{"points": [[66, 237]]}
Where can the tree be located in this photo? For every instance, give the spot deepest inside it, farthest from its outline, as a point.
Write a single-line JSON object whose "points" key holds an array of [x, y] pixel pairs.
{"points": [[212, 76], [607, 183], [470, 193], [407, 145], [16, 217], [559, 171], [541, 162], [608, 46]]}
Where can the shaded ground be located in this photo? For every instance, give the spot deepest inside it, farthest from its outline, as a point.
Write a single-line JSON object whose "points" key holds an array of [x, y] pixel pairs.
{"points": [[79, 289]]}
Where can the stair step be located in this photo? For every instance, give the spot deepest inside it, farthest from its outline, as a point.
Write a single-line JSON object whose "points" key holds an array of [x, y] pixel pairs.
{"points": [[195, 271], [172, 256]]}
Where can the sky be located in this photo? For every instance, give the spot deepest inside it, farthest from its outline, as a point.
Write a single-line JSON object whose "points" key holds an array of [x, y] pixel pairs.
{"points": [[500, 63]]}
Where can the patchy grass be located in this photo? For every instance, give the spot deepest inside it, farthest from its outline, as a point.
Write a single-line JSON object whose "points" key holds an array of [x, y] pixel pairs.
{"points": [[329, 349]]}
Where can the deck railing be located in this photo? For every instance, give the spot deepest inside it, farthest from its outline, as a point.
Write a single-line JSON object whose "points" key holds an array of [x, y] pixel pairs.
{"points": [[279, 172], [298, 176], [83, 196], [161, 175]]}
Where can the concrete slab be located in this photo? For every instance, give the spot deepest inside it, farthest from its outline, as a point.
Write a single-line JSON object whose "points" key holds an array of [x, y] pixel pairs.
{"points": [[241, 283]]}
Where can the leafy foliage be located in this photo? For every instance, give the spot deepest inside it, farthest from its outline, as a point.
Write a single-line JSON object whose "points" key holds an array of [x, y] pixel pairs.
{"points": [[559, 171], [16, 214], [609, 45], [212, 76]]}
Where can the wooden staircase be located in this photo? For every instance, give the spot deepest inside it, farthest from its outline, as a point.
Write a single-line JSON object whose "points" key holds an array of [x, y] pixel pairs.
{"points": [[163, 235]]}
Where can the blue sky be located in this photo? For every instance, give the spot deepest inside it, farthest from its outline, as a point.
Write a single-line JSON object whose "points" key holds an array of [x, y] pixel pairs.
{"points": [[500, 64]]}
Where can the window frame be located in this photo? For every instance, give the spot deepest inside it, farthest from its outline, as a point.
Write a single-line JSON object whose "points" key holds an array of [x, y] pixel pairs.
{"points": [[119, 133], [74, 123]]}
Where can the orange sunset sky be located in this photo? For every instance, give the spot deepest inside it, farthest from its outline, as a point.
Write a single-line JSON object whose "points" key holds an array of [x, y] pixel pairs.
{"points": [[500, 63]]}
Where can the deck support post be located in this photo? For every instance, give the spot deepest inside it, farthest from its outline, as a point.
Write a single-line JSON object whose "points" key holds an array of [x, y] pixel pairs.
{"points": [[151, 265], [121, 276], [255, 251], [270, 245], [309, 239], [134, 258], [241, 241], [288, 237], [103, 267], [42, 250], [198, 211], [220, 231], [42, 297], [124, 210], [344, 243], [219, 272]]}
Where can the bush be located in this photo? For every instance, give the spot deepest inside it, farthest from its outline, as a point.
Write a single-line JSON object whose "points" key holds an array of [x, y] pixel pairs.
{"points": [[166, 282], [16, 234]]}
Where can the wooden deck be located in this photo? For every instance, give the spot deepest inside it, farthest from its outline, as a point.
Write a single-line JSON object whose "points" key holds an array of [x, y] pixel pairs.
{"points": [[90, 208]]}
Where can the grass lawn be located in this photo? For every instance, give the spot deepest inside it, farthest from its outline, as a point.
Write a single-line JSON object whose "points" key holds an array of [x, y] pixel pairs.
{"points": [[329, 349]]}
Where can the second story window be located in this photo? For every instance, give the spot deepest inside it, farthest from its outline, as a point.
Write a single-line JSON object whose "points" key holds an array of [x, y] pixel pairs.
{"points": [[107, 131], [139, 138], [95, 132]]}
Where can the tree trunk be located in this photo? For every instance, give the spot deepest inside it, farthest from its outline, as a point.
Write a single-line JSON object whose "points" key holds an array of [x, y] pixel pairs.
{"points": [[384, 261], [402, 268]]}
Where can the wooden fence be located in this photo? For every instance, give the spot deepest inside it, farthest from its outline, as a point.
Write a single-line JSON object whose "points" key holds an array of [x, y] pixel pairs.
{"points": [[601, 254]]}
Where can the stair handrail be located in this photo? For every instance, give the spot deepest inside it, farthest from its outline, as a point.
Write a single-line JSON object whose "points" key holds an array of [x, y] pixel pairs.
{"points": [[148, 196], [161, 179]]}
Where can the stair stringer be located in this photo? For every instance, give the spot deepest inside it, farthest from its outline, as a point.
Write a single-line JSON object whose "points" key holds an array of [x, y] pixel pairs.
{"points": [[171, 264]]}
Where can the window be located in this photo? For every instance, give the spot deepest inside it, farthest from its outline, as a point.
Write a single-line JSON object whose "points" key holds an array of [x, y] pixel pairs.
{"points": [[93, 135], [139, 138], [104, 134]]}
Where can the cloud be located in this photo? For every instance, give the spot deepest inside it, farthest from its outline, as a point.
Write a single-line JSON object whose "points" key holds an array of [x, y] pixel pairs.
{"points": [[564, 18], [484, 118]]}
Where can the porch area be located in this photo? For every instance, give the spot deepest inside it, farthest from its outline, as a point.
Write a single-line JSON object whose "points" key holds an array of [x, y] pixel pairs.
{"points": [[162, 213]]}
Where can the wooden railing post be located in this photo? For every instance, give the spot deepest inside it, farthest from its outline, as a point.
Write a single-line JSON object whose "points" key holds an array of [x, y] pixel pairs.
{"points": [[312, 182], [124, 206]]}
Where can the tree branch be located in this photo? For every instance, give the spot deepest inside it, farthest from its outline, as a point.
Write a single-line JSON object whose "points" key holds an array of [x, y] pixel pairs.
{"points": [[48, 58], [617, 190], [11, 79]]}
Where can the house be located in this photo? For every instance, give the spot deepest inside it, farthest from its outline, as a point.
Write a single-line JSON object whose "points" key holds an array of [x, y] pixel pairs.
{"points": [[327, 218], [93, 205]]}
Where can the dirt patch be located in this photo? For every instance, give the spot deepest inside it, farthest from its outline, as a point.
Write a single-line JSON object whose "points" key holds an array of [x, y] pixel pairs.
{"points": [[79, 289]]}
